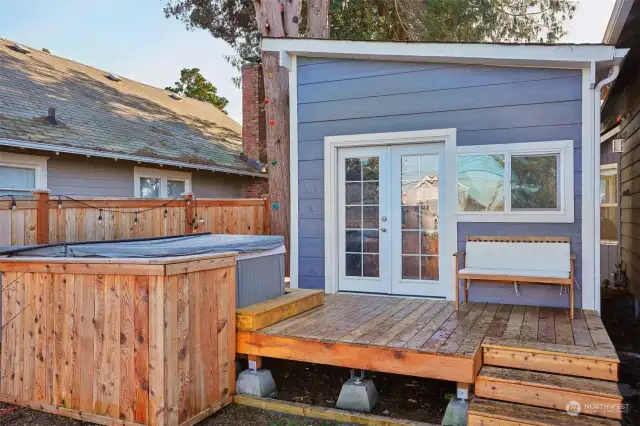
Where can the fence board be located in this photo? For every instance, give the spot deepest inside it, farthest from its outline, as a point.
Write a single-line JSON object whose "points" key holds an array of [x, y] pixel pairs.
{"points": [[75, 221]]}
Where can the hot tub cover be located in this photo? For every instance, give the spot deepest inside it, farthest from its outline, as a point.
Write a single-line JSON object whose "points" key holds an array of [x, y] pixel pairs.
{"points": [[183, 245]]}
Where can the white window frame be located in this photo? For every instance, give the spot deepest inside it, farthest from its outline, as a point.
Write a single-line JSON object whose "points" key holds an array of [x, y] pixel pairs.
{"points": [[163, 175], [610, 170], [24, 161], [564, 149]]}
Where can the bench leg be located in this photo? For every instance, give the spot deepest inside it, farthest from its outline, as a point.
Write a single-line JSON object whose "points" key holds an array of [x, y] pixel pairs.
{"points": [[466, 286], [571, 301], [457, 281]]}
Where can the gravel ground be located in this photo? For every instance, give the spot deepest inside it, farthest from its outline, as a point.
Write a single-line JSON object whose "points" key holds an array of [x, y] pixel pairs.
{"points": [[231, 415]]}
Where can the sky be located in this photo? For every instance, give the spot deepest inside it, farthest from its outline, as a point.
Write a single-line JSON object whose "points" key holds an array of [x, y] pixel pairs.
{"points": [[132, 38]]}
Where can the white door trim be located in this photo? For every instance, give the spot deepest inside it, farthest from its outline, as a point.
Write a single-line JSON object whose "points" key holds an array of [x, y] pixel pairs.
{"points": [[331, 145]]}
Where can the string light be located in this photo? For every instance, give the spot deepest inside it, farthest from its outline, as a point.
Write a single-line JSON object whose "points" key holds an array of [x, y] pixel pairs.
{"points": [[13, 203], [165, 213], [59, 202], [135, 220], [100, 217]]}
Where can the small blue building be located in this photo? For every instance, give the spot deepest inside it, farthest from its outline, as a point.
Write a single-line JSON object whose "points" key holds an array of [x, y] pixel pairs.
{"points": [[400, 151]]}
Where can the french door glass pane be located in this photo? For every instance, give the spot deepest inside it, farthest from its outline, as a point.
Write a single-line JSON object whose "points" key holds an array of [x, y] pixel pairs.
{"points": [[420, 218], [175, 188], [362, 235], [149, 187]]}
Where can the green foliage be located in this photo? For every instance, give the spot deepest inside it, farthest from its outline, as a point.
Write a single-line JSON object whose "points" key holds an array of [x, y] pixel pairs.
{"points": [[426, 20], [193, 85]]}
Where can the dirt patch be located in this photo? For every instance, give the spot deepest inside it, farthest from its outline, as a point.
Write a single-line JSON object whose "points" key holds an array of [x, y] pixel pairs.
{"points": [[624, 330], [404, 397]]}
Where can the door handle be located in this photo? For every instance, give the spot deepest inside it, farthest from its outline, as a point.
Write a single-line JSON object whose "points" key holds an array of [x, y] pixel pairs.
{"points": [[383, 229]]}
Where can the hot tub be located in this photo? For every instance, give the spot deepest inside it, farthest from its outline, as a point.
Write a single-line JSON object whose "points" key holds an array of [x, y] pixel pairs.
{"points": [[260, 261]]}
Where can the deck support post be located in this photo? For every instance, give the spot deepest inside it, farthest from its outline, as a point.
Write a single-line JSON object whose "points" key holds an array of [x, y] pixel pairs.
{"points": [[463, 391], [255, 362]]}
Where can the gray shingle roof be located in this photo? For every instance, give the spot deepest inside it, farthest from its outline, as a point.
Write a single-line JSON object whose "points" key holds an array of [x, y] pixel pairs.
{"points": [[98, 114]]}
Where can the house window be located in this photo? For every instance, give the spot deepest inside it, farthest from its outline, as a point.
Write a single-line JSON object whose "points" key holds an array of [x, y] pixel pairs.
{"points": [[158, 183], [22, 174], [609, 203], [521, 182]]}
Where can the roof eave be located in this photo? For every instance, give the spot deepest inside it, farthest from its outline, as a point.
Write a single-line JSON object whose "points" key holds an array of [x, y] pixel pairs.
{"points": [[557, 56], [619, 15], [118, 156]]}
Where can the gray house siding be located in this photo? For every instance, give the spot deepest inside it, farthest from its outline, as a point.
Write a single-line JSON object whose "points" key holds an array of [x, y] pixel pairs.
{"points": [[94, 177], [487, 105]]}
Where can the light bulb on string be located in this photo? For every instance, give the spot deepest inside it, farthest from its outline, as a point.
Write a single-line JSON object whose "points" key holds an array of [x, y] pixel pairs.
{"points": [[13, 203], [100, 217], [59, 202]]}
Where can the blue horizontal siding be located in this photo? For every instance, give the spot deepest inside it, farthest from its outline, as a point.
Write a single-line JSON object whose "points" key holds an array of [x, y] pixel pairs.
{"points": [[487, 105]]}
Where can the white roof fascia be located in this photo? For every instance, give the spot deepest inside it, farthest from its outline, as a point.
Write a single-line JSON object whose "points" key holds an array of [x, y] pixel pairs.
{"points": [[117, 156], [560, 56], [618, 18]]}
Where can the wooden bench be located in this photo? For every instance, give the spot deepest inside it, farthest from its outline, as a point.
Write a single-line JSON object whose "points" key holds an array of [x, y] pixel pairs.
{"points": [[517, 260]]}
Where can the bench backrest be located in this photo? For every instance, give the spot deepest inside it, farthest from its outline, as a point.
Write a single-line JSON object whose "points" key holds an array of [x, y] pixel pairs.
{"points": [[522, 253]]}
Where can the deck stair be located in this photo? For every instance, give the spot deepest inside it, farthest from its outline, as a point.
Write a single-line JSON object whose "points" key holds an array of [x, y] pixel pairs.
{"points": [[484, 412], [596, 397]]}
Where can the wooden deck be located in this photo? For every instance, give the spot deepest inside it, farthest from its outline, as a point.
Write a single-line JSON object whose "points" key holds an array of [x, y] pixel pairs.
{"points": [[428, 338]]}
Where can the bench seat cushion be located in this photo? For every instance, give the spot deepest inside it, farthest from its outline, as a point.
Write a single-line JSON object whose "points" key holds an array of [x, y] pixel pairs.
{"points": [[516, 273]]}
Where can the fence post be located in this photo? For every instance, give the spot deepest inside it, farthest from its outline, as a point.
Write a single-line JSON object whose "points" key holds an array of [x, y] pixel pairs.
{"points": [[42, 216], [188, 212], [266, 225]]}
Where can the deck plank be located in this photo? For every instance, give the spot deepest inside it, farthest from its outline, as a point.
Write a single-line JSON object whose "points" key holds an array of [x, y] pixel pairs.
{"points": [[403, 324], [564, 334], [442, 334], [427, 331], [462, 330], [365, 328], [546, 326], [331, 304], [327, 319], [514, 325], [581, 335], [470, 344], [348, 323], [599, 334], [401, 339], [373, 334], [348, 328], [530, 324], [500, 321]]}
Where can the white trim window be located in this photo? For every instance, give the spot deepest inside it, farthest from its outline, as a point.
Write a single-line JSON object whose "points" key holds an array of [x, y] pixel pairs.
{"points": [[609, 219], [21, 174], [158, 183], [518, 182]]}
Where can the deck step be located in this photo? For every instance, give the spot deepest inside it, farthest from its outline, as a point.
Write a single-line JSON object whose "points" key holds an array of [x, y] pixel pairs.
{"points": [[596, 397], [551, 358], [263, 314], [484, 412]]}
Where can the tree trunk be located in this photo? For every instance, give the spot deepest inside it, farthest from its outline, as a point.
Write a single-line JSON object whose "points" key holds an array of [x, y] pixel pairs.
{"points": [[318, 18], [292, 9]]}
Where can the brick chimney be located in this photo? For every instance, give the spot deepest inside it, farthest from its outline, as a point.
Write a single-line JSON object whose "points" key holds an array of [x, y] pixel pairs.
{"points": [[254, 125]]}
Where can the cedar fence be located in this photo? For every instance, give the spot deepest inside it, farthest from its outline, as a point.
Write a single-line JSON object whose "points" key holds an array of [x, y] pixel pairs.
{"points": [[52, 219]]}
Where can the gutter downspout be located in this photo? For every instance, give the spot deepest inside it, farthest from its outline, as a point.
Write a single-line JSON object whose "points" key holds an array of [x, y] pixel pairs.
{"points": [[597, 92]]}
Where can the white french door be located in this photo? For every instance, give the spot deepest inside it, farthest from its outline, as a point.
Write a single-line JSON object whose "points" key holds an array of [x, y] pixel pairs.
{"points": [[390, 218]]}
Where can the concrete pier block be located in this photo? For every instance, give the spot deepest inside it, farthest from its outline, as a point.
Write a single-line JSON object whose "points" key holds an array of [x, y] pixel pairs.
{"points": [[256, 383], [456, 413], [358, 395]]}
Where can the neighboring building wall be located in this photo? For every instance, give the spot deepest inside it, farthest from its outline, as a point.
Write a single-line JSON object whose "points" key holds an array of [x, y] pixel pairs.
{"points": [[629, 109], [608, 252], [76, 175], [487, 105], [254, 126]]}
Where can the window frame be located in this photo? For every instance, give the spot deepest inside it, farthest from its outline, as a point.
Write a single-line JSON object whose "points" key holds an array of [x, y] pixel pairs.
{"points": [[612, 169], [25, 161], [562, 148], [163, 175]]}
